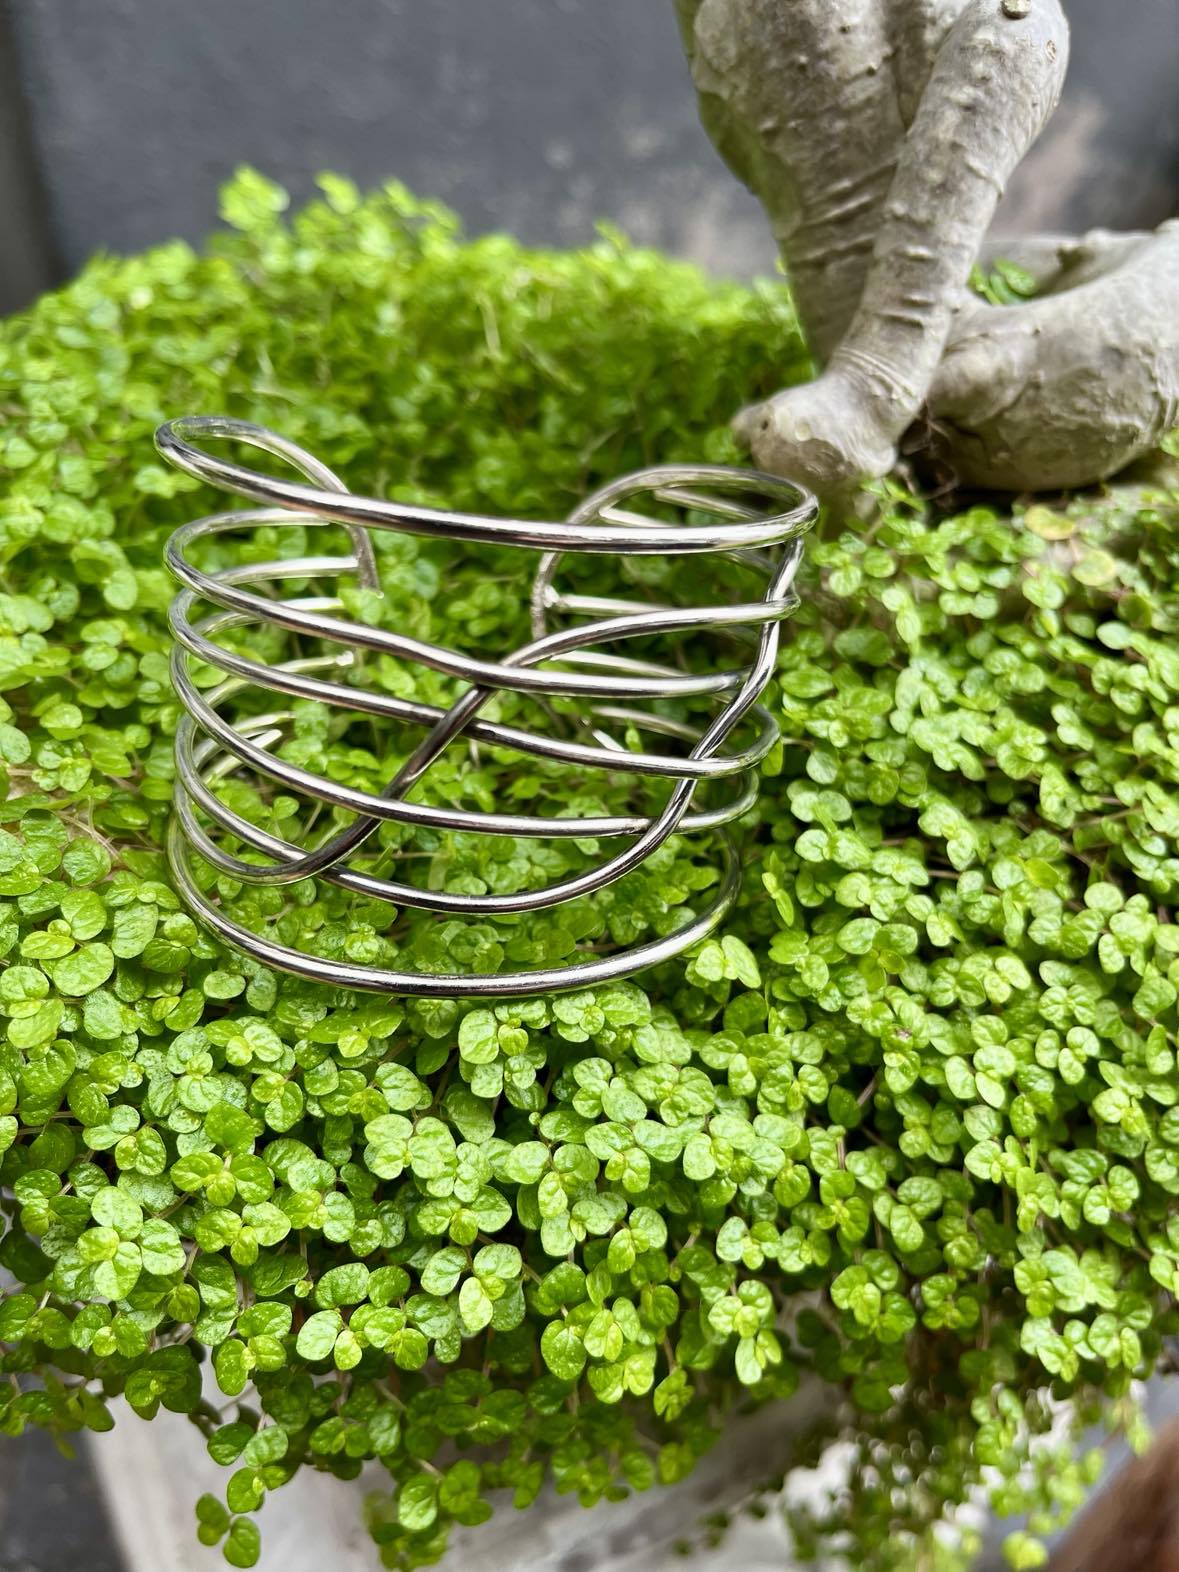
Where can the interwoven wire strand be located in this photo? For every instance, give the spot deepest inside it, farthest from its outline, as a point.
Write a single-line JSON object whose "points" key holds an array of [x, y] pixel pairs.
{"points": [[665, 511]]}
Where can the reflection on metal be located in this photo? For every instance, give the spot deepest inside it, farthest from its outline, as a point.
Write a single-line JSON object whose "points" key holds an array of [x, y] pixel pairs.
{"points": [[569, 676]]}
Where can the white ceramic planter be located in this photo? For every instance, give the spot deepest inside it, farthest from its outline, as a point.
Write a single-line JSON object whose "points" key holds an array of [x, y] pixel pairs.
{"points": [[152, 1473]]}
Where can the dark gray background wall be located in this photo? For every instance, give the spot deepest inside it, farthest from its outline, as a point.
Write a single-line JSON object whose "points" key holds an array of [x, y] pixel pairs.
{"points": [[52, 1517], [536, 116]]}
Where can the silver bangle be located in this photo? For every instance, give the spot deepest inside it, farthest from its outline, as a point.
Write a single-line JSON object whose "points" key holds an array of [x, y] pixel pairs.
{"points": [[757, 519]]}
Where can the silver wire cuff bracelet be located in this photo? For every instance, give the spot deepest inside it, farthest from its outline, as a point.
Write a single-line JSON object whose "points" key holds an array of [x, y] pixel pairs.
{"points": [[753, 519]]}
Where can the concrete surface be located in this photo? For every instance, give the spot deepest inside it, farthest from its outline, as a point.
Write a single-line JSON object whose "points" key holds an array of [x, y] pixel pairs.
{"points": [[27, 258], [535, 116]]}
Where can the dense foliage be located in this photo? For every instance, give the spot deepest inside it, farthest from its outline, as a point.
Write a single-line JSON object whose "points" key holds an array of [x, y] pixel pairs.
{"points": [[910, 1123]]}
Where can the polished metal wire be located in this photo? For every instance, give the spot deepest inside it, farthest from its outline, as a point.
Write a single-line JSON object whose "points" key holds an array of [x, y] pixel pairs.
{"points": [[753, 518]]}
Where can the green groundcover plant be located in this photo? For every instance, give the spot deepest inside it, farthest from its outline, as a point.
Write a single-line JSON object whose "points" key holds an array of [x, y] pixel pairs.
{"points": [[907, 1125]]}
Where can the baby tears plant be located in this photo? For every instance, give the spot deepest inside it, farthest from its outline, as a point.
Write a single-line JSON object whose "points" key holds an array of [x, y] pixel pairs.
{"points": [[907, 1126]]}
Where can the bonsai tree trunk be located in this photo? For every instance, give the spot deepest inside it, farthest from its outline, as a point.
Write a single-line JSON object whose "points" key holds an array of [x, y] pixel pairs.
{"points": [[879, 135], [1134, 1521]]}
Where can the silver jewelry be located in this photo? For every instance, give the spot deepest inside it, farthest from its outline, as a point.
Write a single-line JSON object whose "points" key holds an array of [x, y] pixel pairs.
{"points": [[671, 510]]}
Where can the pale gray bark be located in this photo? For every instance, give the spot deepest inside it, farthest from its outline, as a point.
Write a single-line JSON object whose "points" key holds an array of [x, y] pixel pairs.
{"points": [[879, 135]]}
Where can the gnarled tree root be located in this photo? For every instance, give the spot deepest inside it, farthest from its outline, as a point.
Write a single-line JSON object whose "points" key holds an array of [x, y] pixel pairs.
{"points": [[1074, 385], [879, 134], [1062, 390]]}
